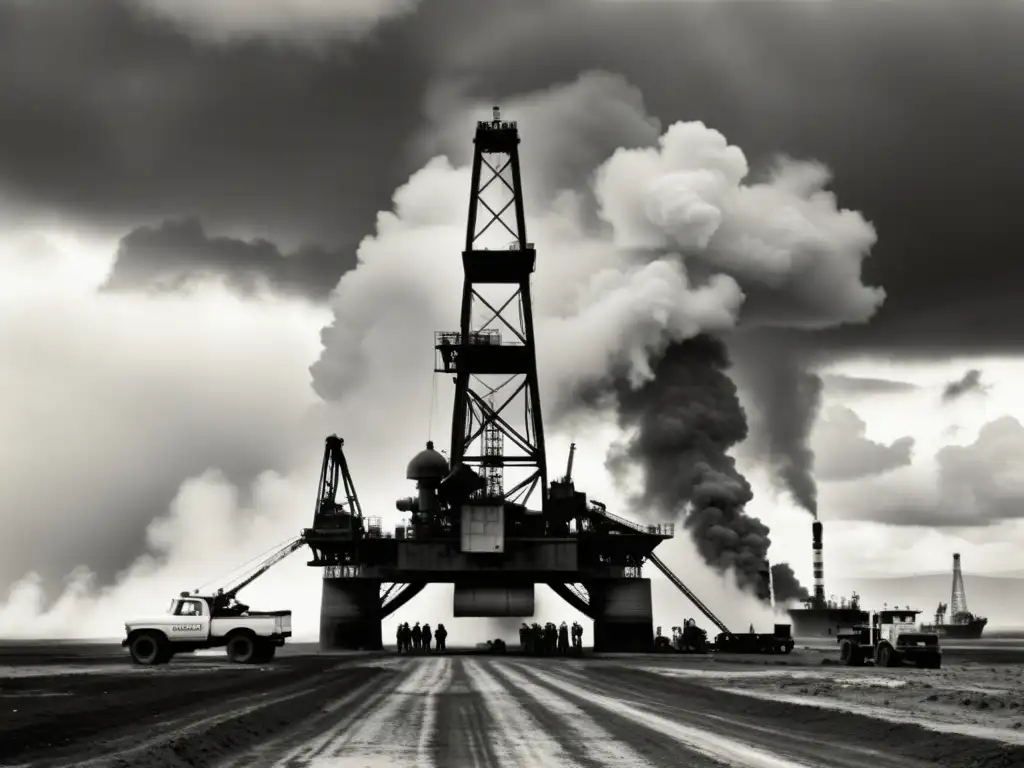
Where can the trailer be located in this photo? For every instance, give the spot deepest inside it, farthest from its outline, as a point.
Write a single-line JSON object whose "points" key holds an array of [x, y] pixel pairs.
{"points": [[727, 641], [889, 639], [779, 641]]}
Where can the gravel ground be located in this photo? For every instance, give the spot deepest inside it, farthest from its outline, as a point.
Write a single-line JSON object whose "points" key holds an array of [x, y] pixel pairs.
{"points": [[90, 706]]}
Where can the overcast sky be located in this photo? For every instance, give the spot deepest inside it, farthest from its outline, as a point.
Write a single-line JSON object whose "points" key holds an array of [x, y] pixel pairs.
{"points": [[198, 285]]}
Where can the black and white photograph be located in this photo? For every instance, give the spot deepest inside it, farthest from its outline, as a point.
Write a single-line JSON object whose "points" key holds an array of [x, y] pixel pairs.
{"points": [[511, 383]]}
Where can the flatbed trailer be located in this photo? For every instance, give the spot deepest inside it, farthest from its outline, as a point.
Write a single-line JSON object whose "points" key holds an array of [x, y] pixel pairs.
{"points": [[727, 641]]}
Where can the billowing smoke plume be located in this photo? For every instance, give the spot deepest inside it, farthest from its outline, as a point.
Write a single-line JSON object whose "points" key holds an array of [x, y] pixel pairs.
{"points": [[786, 399], [685, 420], [661, 245], [786, 585]]}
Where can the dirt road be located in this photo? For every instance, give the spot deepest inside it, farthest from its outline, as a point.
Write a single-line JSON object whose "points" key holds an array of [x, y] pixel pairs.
{"points": [[443, 712]]}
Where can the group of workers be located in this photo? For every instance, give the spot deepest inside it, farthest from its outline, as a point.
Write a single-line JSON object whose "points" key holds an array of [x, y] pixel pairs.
{"points": [[550, 640], [419, 638]]}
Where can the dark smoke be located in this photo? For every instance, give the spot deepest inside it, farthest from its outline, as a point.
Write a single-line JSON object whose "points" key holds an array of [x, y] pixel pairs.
{"points": [[786, 585], [787, 398], [685, 421], [966, 384]]}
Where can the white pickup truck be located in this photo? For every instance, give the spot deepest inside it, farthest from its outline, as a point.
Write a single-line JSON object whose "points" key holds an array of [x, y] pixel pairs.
{"points": [[193, 622]]}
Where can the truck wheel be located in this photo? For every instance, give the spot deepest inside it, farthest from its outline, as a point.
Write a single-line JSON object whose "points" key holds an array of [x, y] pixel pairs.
{"points": [[241, 649], [886, 657], [846, 653], [264, 652], [147, 649]]}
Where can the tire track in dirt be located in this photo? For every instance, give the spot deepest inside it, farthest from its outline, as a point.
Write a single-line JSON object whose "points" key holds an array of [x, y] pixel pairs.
{"points": [[797, 729], [518, 739], [580, 734], [713, 746], [463, 730], [392, 724], [201, 737], [311, 735]]}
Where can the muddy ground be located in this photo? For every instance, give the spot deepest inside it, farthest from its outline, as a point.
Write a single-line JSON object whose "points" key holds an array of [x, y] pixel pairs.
{"points": [[75, 705]]}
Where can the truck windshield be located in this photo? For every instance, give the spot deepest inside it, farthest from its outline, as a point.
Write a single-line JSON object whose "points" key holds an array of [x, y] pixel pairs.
{"points": [[170, 608]]}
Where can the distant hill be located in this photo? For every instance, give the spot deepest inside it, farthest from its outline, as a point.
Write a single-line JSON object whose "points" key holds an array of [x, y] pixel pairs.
{"points": [[999, 598]]}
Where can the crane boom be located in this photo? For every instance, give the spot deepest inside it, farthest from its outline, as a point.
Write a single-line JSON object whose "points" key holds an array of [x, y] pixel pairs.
{"points": [[265, 566], [686, 591]]}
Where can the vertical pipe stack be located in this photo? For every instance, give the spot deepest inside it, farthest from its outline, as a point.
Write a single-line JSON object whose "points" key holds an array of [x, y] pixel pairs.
{"points": [[819, 567]]}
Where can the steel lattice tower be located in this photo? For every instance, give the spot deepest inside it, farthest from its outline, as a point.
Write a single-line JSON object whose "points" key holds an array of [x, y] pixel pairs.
{"points": [[496, 419], [958, 600]]}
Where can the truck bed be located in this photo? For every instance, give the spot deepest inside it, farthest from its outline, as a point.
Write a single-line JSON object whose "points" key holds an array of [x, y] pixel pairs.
{"points": [[263, 624]]}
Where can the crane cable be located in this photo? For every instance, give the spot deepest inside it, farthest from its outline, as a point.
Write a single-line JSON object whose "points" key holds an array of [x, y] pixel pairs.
{"points": [[261, 557], [433, 401]]}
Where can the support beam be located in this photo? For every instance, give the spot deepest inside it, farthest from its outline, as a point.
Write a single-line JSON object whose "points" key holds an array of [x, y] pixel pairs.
{"points": [[623, 617], [350, 615]]}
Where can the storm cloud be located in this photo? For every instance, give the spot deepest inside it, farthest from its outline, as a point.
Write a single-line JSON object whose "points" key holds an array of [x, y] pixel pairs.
{"points": [[116, 117], [177, 254], [967, 486], [844, 452]]}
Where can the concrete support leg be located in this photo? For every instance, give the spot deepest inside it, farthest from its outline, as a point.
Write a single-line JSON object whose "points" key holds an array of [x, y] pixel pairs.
{"points": [[623, 621], [350, 615]]}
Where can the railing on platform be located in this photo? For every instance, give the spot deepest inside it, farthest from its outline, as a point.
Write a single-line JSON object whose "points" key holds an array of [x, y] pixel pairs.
{"points": [[662, 529], [342, 571]]}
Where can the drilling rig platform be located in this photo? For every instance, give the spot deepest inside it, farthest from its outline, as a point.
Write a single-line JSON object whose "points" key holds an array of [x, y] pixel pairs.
{"points": [[485, 517]]}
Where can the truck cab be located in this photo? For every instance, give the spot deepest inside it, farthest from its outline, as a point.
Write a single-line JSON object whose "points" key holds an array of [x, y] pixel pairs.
{"points": [[889, 639]]}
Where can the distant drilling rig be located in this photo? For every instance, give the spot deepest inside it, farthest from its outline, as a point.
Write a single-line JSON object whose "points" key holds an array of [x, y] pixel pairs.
{"points": [[486, 519], [962, 624]]}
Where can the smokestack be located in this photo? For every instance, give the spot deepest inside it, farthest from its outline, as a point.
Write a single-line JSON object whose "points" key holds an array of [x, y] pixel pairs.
{"points": [[819, 567]]}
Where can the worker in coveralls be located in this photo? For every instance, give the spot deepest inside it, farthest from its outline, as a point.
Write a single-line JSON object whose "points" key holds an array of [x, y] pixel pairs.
{"points": [[441, 635], [524, 637], [400, 637], [577, 636], [563, 639], [427, 637], [550, 638], [417, 636]]}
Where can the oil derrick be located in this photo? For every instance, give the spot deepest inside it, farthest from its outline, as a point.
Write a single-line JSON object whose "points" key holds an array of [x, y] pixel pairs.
{"points": [[958, 599], [496, 419], [485, 518]]}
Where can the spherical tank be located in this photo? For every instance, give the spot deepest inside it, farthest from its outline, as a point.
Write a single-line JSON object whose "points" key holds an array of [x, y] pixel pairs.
{"points": [[427, 465]]}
